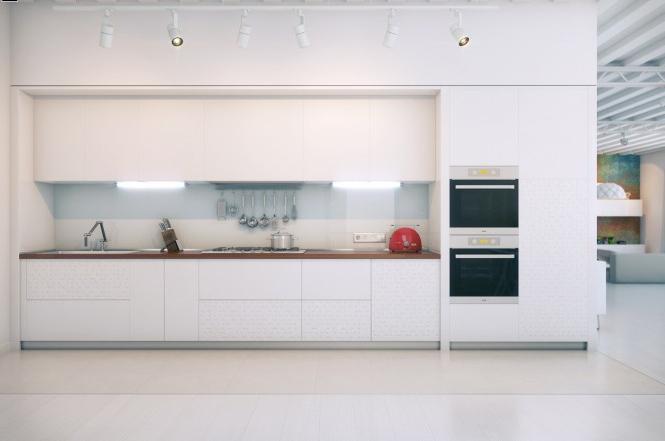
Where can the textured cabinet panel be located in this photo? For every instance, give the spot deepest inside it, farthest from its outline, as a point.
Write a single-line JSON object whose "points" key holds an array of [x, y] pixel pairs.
{"points": [[405, 300], [554, 259], [181, 300], [402, 139], [79, 279], [484, 322], [336, 320], [230, 320], [484, 126], [336, 279], [269, 279], [76, 320], [336, 137]]}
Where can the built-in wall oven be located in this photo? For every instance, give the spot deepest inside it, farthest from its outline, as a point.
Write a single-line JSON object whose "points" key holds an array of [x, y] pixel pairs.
{"points": [[484, 200], [484, 269]]}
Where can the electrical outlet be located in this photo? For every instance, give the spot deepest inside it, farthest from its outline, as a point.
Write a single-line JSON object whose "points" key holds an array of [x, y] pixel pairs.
{"points": [[369, 237]]}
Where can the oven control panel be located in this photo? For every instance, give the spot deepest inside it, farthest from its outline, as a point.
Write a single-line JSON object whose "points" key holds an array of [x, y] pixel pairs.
{"points": [[484, 241], [477, 241]]}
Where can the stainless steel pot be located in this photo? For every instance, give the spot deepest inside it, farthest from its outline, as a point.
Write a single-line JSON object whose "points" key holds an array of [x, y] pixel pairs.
{"points": [[282, 241]]}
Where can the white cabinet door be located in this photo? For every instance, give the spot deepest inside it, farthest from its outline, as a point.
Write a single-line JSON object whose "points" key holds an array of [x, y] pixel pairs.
{"points": [[245, 279], [147, 302], [181, 300], [336, 279], [254, 140], [336, 320], [60, 144], [91, 300], [554, 132], [405, 300], [111, 140], [253, 320], [402, 139], [171, 139], [336, 138], [484, 323], [484, 126]]}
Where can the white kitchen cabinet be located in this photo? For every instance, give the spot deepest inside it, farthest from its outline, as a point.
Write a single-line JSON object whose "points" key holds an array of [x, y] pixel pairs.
{"points": [[170, 139], [402, 139], [336, 139], [249, 279], [181, 300], [554, 132], [92, 300], [485, 323], [336, 320], [405, 300], [228, 139], [254, 139], [252, 320], [341, 279], [59, 139], [484, 126]]}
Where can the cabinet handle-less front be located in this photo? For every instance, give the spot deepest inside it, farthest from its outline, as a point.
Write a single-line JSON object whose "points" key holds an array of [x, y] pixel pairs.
{"points": [[484, 256], [484, 187]]}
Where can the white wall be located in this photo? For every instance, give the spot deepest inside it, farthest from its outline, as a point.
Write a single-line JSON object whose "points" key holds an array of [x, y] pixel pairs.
{"points": [[4, 174], [539, 42], [652, 191]]}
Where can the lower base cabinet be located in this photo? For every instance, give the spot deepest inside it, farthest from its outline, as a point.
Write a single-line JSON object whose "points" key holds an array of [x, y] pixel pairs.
{"points": [[191, 300], [484, 323], [336, 320], [249, 320]]}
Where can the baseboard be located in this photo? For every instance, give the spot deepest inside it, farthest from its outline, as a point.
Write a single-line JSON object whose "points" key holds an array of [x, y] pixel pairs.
{"points": [[519, 345], [28, 345]]}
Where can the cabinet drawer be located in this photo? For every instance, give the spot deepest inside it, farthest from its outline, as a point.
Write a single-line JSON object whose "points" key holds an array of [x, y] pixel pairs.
{"points": [[336, 279], [249, 280], [336, 320], [253, 320], [484, 322]]}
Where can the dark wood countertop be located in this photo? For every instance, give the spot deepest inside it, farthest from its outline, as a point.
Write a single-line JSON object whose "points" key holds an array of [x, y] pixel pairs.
{"points": [[315, 254]]}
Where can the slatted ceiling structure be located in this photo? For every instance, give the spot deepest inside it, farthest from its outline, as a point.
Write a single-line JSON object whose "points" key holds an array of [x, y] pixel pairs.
{"points": [[631, 76]]}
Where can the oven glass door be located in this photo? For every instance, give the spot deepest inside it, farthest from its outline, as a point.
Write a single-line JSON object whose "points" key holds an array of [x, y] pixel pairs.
{"points": [[483, 203], [478, 272]]}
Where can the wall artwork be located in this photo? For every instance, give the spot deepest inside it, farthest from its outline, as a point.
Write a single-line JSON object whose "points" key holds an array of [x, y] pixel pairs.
{"points": [[623, 170]]}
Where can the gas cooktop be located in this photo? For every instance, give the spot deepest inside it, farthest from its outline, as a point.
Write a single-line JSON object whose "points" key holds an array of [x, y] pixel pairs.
{"points": [[268, 250]]}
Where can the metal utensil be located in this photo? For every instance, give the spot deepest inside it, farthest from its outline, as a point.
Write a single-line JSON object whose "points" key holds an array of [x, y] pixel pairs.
{"points": [[252, 222], [232, 209], [274, 220], [243, 218], [265, 220], [285, 218], [294, 211]]}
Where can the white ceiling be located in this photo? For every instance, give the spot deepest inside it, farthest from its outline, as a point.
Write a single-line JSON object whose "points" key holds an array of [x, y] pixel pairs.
{"points": [[631, 76]]}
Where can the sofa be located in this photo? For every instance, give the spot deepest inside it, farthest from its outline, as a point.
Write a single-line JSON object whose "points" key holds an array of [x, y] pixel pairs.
{"points": [[634, 267]]}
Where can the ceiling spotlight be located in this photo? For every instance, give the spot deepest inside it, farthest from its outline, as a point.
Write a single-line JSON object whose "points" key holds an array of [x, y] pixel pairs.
{"points": [[244, 32], [106, 31], [623, 140], [392, 31], [461, 37], [175, 34], [301, 33]]}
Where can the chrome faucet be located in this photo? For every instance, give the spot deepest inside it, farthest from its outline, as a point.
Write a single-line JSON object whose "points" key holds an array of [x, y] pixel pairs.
{"points": [[102, 242]]}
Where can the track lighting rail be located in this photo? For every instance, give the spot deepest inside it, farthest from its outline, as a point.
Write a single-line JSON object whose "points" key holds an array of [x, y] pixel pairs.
{"points": [[411, 6]]}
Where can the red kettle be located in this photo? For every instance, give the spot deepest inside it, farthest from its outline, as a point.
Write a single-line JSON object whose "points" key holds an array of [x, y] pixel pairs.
{"points": [[405, 240]]}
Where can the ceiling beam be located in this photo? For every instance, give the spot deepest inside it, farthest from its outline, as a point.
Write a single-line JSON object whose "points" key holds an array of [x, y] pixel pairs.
{"points": [[619, 24]]}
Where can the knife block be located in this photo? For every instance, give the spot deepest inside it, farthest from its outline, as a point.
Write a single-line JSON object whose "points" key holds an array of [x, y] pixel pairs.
{"points": [[171, 242]]}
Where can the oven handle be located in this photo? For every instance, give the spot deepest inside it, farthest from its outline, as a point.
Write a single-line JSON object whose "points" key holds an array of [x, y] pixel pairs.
{"points": [[484, 187], [484, 256]]}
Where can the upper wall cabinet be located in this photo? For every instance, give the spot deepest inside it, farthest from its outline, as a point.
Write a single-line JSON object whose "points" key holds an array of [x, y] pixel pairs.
{"points": [[235, 139], [403, 139], [337, 139], [483, 126]]}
